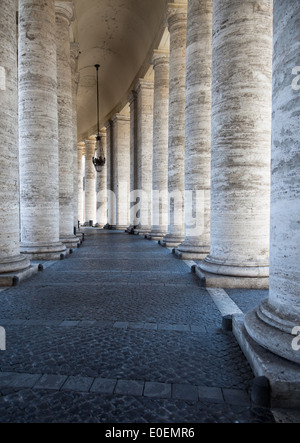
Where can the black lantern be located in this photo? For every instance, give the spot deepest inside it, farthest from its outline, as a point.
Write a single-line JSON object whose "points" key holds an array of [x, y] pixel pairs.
{"points": [[100, 161]]}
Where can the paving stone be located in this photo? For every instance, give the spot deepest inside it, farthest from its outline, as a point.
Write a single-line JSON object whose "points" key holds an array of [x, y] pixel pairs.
{"points": [[157, 390], [103, 386], [129, 387], [236, 396], [210, 394], [52, 382], [78, 384], [69, 323], [185, 392], [15, 380]]}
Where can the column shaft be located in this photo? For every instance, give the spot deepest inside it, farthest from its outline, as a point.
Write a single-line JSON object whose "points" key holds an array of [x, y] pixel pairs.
{"points": [[90, 182], [80, 150], [161, 65], [144, 154], [198, 131], [64, 15], [271, 325], [101, 186], [177, 23], [241, 139], [10, 258], [38, 123], [121, 169]]}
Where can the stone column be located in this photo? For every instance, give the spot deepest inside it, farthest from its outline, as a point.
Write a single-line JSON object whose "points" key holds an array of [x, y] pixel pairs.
{"points": [[90, 182], [80, 152], [101, 186], [161, 65], [38, 122], [144, 90], [64, 15], [177, 23], [10, 258], [121, 169], [241, 140], [75, 83], [198, 131], [132, 100], [276, 322], [111, 209]]}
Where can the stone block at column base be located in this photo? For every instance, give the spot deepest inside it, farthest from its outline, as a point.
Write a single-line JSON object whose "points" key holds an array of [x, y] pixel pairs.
{"points": [[209, 280], [214, 273], [70, 241], [156, 234], [283, 375], [191, 251], [121, 227], [13, 279], [171, 241], [44, 251]]}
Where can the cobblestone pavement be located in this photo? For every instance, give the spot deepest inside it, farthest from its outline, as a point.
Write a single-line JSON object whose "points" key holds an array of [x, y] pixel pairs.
{"points": [[121, 332]]}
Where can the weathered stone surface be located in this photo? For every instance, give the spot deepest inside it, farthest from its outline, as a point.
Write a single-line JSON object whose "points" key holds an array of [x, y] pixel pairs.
{"points": [[38, 130], [177, 23], [241, 136], [90, 181], [121, 170], [198, 131], [64, 14], [161, 65], [145, 91], [101, 185], [80, 151], [275, 319]]}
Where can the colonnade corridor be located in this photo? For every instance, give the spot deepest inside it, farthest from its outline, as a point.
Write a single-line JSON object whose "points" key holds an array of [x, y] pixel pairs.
{"points": [[119, 332]]}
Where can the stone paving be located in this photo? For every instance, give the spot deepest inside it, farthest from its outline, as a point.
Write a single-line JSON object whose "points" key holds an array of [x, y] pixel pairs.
{"points": [[121, 332]]}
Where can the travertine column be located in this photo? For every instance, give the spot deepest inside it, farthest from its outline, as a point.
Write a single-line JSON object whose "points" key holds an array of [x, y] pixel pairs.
{"points": [[144, 91], [198, 131], [75, 83], [161, 65], [101, 186], [271, 325], [38, 122], [177, 23], [80, 149], [10, 258], [121, 169], [64, 14], [132, 100], [241, 140], [90, 181], [111, 200]]}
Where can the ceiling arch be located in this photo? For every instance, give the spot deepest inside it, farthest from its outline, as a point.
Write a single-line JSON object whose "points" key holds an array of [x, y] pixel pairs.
{"points": [[120, 35]]}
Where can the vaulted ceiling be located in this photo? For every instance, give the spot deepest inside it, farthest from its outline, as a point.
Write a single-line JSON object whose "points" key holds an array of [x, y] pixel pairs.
{"points": [[120, 35]]}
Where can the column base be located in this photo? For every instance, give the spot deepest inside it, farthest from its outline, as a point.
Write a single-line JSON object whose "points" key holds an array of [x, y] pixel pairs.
{"points": [[192, 250], [272, 332], [208, 280], [121, 227], [43, 251], [283, 375], [215, 273], [13, 279], [14, 264], [156, 234], [171, 241], [70, 241]]}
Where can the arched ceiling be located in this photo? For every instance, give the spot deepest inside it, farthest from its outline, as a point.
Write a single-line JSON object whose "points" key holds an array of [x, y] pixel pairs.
{"points": [[120, 35]]}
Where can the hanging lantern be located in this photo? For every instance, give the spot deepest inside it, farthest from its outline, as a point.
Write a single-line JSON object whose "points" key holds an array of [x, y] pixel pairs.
{"points": [[98, 162]]}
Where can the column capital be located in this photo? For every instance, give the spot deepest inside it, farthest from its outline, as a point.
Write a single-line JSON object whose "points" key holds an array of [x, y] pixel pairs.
{"points": [[143, 84], [176, 14], [132, 97], [120, 117], [65, 10], [160, 56]]}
